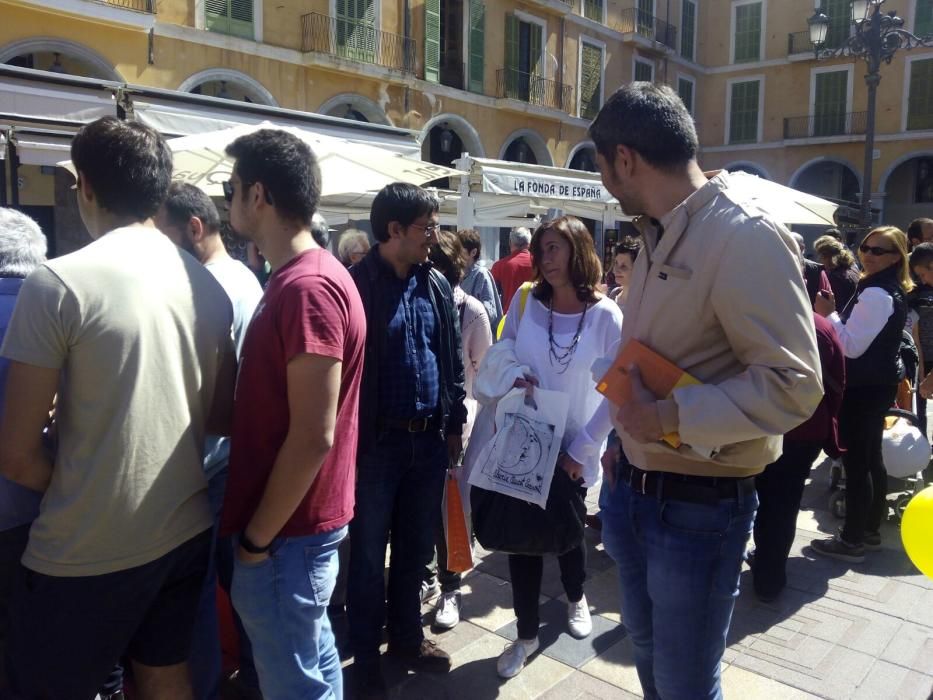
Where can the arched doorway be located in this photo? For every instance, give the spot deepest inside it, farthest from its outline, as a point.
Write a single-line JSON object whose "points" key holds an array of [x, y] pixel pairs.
{"points": [[584, 159], [526, 146], [908, 188], [228, 85], [58, 56], [830, 179], [349, 105], [441, 146]]}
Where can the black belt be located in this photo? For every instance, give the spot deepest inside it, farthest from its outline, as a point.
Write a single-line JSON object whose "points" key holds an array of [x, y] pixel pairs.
{"points": [[685, 487], [411, 425]]}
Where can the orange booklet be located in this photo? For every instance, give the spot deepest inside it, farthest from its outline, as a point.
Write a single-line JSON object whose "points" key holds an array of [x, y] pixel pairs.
{"points": [[659, 375]]}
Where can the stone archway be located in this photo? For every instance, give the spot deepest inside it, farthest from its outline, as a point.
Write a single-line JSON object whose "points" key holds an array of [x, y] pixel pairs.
{"points": [[228, 84], [59, 56], [907, 185], [830, 178], [583, 157], [349, 105], [453, 128], [526, 146]]}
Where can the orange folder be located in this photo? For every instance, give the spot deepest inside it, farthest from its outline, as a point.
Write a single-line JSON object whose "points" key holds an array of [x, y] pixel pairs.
{"points": [[659, 375]]}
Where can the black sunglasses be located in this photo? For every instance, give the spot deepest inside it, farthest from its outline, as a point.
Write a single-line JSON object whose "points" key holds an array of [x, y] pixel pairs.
{"points": [[875, 250], [228, 190]]}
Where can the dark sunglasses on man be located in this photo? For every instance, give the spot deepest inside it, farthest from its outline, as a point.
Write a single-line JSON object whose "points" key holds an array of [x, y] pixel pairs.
{"points": [[875, 250]]}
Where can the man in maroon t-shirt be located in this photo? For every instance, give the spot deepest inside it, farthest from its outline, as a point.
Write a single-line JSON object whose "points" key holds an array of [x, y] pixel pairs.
{"points": [[512, 272], [290, 491]]}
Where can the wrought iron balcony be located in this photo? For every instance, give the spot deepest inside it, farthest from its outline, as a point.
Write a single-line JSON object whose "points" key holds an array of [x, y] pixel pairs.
{"points": [[533, 89], [147, 6], [822, 125], [357, 41], [635, 21]]}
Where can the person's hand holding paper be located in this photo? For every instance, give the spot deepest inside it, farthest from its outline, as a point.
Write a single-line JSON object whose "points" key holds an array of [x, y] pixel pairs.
{"points": [[639, 416]]}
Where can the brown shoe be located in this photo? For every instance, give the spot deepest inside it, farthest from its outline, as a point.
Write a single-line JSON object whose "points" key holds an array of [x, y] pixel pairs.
{"points": [[425, 657]]}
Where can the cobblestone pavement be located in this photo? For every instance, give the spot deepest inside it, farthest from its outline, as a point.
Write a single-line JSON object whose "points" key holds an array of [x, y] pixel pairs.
{"points": [[838, 631]]}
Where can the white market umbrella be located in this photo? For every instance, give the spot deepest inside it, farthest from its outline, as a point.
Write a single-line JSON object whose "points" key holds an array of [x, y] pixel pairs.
{"points": [[784, 204], [347, 167]]}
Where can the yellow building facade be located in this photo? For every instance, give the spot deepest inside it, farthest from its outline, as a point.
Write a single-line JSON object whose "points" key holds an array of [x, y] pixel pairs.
{"points": [[516, 80]]}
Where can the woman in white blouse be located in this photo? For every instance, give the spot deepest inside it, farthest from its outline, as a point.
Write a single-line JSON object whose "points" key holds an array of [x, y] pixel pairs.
{"points": [[870, 328], [565, 326]]}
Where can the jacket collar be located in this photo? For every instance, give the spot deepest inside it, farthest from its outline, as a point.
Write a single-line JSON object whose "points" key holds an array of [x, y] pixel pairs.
{"points": [[376, 266], [887, 276]]}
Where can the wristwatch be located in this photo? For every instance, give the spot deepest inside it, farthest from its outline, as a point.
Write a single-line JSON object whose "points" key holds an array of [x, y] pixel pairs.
{"points": [[248, 545]]}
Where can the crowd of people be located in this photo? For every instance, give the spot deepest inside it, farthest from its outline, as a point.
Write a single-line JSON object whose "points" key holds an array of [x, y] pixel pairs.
{"points": [[169, 425]]}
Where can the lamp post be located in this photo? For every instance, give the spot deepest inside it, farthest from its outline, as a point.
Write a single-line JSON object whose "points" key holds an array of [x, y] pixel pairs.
{"points": [[877, 37]]}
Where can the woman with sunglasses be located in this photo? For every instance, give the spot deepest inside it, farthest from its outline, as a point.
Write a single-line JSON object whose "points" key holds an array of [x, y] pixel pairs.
{"points": [[563, 329], [870, 328]]}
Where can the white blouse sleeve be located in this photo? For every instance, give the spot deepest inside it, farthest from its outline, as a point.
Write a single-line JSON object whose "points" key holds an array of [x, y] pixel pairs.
{"points": [[872, 310]]}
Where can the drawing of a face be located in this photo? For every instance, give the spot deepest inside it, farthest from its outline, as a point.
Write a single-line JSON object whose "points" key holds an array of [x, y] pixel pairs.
{"points": [[524, 450]]}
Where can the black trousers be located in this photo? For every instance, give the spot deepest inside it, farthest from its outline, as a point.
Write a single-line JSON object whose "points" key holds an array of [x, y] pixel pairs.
{"points": [[861, 424], [780, 488], [526, 573]]}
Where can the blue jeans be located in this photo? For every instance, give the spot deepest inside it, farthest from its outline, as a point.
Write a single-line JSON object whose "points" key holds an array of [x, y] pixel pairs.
{"points": [[399, 486], [679, 567], [282, 601]]}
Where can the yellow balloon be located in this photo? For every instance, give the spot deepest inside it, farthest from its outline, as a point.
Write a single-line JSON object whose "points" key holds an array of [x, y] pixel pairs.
{"points": [[917, 530]]}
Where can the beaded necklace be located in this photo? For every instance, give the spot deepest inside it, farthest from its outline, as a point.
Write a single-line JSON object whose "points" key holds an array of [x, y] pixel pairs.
{"points": [[558, 354]]}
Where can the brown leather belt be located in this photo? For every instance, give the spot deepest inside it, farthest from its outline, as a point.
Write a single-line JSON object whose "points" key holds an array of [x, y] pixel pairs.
{"points": [[411, 425]]}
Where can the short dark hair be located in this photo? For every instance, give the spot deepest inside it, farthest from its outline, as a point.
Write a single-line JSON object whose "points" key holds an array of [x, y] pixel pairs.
{"points": [[834, 233], [649, 118], [448, 257], [471, 241], [127, 164], [630, 245], [922, 255], [287, 168], [915, 230], [184, 200], [400, 202], [585, 268]]}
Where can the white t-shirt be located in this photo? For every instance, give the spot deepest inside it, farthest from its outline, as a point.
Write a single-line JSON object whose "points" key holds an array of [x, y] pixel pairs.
{"points": [[588, 422], [139, 330]]}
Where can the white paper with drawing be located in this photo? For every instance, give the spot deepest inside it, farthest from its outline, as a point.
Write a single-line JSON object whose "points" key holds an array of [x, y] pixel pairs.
{"points": [[519, 460]]}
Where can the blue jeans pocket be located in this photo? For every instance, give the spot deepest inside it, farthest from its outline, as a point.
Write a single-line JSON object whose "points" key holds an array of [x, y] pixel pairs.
{"points": [[321, 563], [695, 519]]}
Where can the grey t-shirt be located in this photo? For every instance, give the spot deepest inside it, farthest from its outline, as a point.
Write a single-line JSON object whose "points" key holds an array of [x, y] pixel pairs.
{"points": [[139, 330], [244, 291]]}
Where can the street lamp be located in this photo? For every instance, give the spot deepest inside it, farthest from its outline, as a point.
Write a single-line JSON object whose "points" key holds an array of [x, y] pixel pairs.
{"points": [[877, 37]]}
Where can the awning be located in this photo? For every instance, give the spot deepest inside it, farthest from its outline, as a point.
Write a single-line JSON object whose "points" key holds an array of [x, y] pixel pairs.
{"points": [[535, 181], [29, 99], [40, 146]]}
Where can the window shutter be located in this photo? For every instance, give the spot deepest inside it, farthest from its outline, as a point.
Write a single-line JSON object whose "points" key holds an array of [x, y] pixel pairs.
{"points": [[748, 32], [920, 95], [743, 115], [829, 108], [688, 19], [840, 22], [536, 41], [241, 10], [217, 17], [432, 40], [477, 45], [685, 91], [591, 65], [644, 71], [511, 43], [923, 23]]}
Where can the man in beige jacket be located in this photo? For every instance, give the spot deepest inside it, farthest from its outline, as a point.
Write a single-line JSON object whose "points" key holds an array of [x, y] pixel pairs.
{"points": [[718, 292]]}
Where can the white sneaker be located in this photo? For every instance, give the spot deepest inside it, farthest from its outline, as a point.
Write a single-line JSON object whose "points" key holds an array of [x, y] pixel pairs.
{"points": [[578, 619], [429, 589], [511, 661], [447, 612]]}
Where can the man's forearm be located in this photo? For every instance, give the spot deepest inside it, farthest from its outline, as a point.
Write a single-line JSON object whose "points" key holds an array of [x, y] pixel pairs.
{"points": [[296, 467]]}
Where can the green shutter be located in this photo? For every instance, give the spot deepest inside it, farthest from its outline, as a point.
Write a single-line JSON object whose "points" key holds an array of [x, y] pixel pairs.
{"points": [[748, 32], [840, 22], [356, 30], [688, 22], [233, 17], [920, 95], [432, 40], [743, 114], [923, 22], [593, 9], [644, 72], [477, 45], [511, 83], [829, 108], [535, 48], [591, 73], [685, 90], [646, 18]]}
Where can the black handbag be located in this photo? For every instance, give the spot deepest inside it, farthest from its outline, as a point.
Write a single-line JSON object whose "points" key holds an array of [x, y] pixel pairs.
{"points": [[506, 524]]}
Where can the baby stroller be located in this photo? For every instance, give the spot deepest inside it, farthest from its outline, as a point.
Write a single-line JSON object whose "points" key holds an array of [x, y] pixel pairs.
{"points": [[905, 449]]}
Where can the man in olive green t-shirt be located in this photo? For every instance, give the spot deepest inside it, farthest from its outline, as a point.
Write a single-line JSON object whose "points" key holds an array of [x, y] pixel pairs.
{"points": [[134, 336]]}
